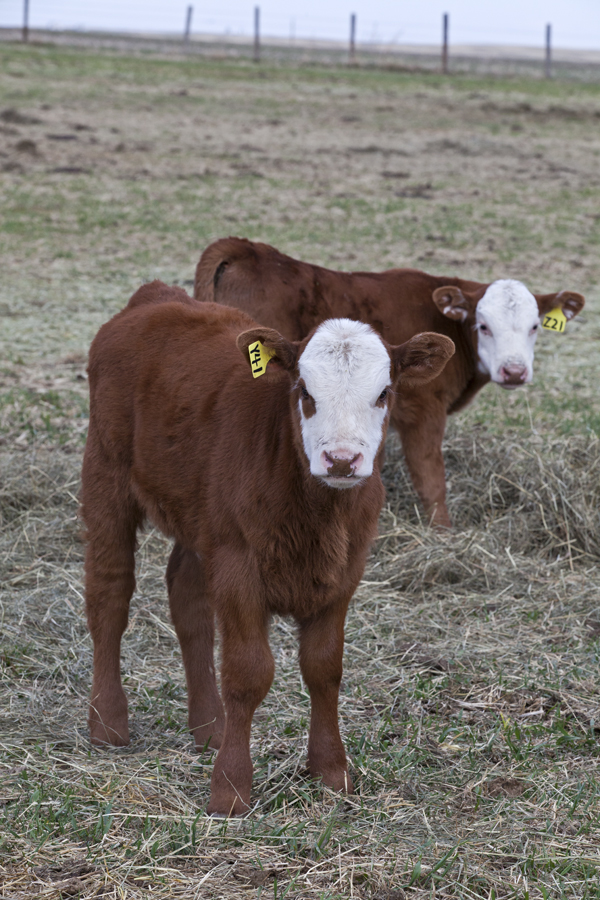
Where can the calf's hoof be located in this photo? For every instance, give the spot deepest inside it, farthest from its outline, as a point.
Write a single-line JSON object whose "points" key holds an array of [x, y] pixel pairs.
{"points": [[230, 787], [109, 724], [208, 736], [221, 807], [442, 527], [101, 734], [337, 780], [439, 520]]}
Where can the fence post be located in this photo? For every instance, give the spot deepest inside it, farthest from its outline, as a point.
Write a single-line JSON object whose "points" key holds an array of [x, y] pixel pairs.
{"points": [[257, 34], [188, 27], [548, 66], [25, 21], [352, 38], [445, 45]]}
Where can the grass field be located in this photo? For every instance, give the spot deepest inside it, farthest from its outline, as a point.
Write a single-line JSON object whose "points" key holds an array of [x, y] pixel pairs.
{"points": [[470, 705]]}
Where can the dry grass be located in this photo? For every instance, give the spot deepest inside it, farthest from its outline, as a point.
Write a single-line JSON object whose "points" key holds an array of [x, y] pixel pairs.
{"points": [[469, 708], [470, 701]]}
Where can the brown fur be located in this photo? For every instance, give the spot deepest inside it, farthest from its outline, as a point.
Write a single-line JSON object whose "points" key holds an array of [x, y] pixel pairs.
{"points": [[181, 434], [294, 297]]}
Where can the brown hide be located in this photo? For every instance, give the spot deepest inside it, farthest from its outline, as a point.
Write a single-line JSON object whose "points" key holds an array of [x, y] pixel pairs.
{"points": [[181, 434], [294, 296]]}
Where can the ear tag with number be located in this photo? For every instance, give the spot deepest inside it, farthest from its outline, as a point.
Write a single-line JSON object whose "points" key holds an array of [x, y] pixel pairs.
{"points": [[259, 357], [555, 320]]}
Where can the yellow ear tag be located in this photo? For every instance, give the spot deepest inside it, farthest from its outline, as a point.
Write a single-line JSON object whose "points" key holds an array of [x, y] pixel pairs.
{"points": [[555, 320], [259, 357]]}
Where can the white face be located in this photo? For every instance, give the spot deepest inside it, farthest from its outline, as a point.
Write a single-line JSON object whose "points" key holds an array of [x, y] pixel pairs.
{"points": [[507, 323], [344, 378]]}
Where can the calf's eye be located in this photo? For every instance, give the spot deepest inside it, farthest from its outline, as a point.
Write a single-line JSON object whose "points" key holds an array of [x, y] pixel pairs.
{"points": [[383, 394], [484, 329], [304, 393]]}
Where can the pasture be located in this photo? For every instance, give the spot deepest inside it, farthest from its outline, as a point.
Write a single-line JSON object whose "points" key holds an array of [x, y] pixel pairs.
{"points": [[470, 705]]}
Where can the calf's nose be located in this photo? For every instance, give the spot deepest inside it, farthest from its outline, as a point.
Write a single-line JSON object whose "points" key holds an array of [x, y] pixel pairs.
{"points": [[513, 374], [341, 463]]}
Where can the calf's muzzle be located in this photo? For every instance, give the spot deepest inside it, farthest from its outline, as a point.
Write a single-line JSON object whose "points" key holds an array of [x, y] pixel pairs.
{"points": [[342, 464], [513, 375]]}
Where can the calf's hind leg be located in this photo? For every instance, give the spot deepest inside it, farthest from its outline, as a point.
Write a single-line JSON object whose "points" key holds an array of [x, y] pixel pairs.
{"points": [[109, 584], [193, 617]]}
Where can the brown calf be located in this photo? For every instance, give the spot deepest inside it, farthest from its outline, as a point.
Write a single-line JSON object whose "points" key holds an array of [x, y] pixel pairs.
{"points": [[494, 327], [271, 488]]}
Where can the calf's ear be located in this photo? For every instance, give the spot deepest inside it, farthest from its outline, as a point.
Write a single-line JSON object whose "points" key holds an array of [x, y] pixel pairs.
{"points": [[283, 353], [570, 302], [453, 303], [421, 359]]}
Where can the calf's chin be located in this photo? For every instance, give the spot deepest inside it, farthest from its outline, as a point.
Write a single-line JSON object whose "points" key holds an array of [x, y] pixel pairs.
{"points": [[342, 483]]}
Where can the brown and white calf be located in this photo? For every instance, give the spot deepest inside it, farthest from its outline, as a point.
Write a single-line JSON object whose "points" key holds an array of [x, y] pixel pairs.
{"points": [[270, 486], [494, 327]]}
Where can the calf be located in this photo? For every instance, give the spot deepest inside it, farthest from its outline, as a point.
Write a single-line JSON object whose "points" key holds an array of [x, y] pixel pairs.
{"points": [[270, 486], [494, 327]]}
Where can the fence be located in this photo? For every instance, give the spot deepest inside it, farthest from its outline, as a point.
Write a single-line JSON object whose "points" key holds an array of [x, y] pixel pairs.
{"points": [[470, 59]]}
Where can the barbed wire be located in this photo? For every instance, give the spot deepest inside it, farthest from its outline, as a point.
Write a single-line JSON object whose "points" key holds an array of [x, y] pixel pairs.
{"points": [[236, 18]]}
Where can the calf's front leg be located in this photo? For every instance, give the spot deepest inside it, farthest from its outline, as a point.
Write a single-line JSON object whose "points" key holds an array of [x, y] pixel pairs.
{"points": [[321, 652], [246, 676]]}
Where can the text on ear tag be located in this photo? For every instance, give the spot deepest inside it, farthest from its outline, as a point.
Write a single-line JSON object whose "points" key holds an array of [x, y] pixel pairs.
{"points": [[555, 320], [259, 357]]}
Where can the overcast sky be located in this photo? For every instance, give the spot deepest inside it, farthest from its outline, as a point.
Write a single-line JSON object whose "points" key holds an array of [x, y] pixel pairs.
{"points": [[575, 23]]}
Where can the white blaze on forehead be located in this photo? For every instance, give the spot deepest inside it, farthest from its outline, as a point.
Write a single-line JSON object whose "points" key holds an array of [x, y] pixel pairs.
{"points": [[507, 317], [345, 367]]}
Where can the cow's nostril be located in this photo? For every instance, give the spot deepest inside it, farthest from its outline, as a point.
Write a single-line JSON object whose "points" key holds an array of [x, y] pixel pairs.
{"points": [[356, 461]]}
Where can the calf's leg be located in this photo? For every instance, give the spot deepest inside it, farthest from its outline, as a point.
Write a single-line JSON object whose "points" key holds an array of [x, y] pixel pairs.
{"points": [[321, 652], [109, 584], [193, 617], [422, 432], [246, 676]]}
